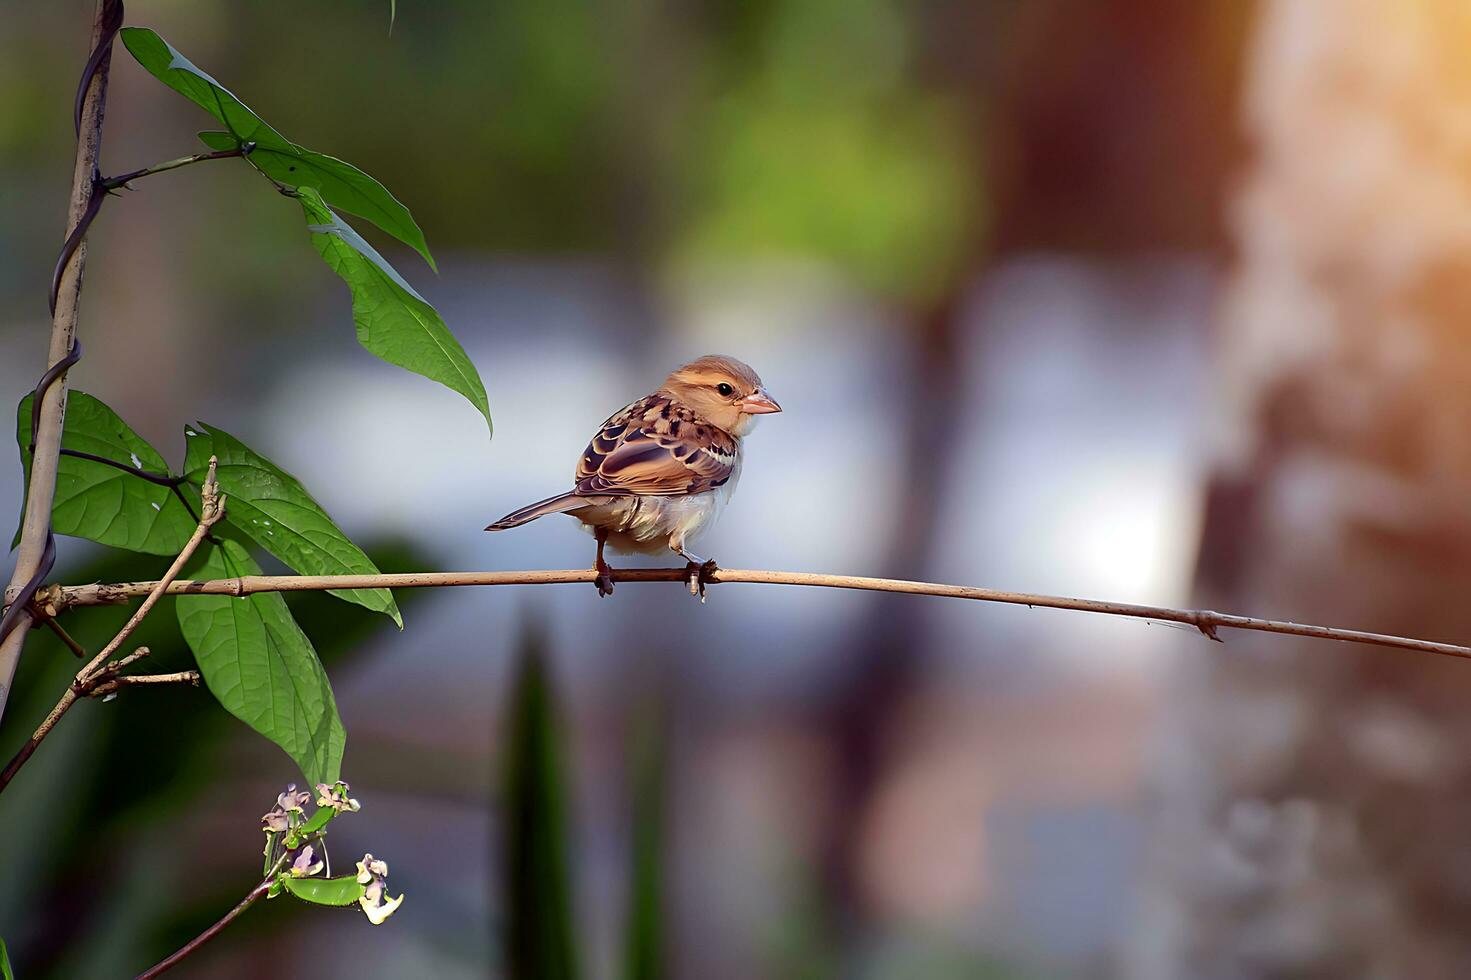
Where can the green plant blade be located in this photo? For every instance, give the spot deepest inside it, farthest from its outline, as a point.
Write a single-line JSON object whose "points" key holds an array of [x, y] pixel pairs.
{"points": [[393, 321], [326, 891], [164, 62], [539, 934], [102, 503], [5, 972], [261, 667], [273, 509], [321, 818], [341, 185]]}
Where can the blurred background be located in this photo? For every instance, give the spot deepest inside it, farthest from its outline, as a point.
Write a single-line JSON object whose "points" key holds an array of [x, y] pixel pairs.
{"points": [[1144, 300]]}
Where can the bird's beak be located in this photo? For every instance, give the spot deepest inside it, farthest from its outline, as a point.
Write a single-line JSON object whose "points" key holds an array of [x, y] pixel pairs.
{"points": [[759, 402]]}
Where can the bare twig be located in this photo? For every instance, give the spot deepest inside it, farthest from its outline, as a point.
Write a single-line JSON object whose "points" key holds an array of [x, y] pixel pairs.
{"points": [[213, 508], [1204, 620], [132, 680], [100, 676], [50, 407]]}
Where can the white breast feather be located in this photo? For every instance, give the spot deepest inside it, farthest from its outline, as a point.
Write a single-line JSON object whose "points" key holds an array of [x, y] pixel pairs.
{"points": [[651, 525]]}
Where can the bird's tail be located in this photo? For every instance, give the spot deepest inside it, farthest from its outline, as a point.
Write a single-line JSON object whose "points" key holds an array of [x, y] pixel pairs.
{"points": [[552, 505]]}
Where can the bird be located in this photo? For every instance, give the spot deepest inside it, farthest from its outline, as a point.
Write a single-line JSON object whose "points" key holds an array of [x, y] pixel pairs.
{"points": [[659, 471]]}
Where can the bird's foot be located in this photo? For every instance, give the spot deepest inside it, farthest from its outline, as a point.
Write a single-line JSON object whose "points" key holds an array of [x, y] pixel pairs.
{"points": [[700, 574], [604, 580]]}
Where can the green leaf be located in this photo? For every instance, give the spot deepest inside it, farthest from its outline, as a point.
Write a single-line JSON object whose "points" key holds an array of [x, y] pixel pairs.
{"points": [[320, 819], [539, 930], [261, 667], [326, 891], [393, 321], [5, 971], [340, 183], [100, 502], [161, 60], [274, 510]]}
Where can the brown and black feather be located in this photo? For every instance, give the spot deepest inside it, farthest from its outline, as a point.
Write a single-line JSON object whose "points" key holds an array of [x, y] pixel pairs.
{"points": [[653, 447]]}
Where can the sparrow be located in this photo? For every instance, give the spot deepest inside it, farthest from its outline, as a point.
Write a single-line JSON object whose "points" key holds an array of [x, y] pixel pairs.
{"points": [[660, 470]]}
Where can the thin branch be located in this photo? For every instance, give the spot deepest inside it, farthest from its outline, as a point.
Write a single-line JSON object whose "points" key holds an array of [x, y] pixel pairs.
{"points": [[98, 672], [132, 680], [51, 406], [213, 510], [1204, 620], [112, 183], [76, 648], [255, 895], [68, 698]]}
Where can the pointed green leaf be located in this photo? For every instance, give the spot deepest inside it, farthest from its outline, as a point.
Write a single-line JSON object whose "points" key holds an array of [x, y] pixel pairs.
{"points": [[341, 185], [5, 971], [161, 60], [274, 510], [217, 140], [326, 891], [393, 321], [261, 667], [102, 503], [321, 818]]}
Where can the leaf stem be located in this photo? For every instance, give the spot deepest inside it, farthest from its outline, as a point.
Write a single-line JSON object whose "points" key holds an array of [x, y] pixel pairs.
{"points": [[113, 183], [160, 479], [285, 190]]}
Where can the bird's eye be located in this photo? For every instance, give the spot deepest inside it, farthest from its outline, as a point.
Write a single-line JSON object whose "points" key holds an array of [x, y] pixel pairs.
{"points": [[725, 389]]}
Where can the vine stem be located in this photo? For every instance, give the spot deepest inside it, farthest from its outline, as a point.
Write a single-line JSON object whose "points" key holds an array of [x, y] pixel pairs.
{"points": [[51, 409], [1207, 621]]}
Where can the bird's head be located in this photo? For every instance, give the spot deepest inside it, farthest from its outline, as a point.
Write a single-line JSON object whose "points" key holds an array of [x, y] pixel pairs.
{"points": [[723, 390]]}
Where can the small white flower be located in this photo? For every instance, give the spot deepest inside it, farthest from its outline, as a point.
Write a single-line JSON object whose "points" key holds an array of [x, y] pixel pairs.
{"points": [[375, 903], [278, 819], [336, 797]]}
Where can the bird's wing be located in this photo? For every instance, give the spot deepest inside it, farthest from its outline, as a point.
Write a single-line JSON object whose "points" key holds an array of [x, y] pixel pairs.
{"points": [[656, 447]]}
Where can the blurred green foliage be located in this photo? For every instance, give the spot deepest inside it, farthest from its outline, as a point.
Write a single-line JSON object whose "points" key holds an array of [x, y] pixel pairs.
{"points": [[540, 935], [644, 942], [718, 132], [812, 139]]}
